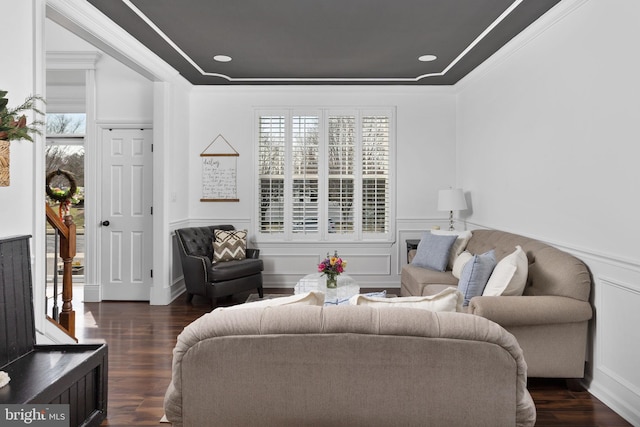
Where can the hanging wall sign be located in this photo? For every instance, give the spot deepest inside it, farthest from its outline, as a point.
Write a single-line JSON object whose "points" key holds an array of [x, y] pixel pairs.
{"points": [[219, 172]]}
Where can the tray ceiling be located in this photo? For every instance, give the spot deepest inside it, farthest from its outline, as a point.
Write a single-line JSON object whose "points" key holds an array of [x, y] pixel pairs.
{"points": [[324, 41]]}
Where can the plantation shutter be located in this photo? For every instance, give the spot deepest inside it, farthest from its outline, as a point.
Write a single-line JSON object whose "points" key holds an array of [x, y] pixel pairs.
{"points": [[375, 174], [304, 174], [323, 174], [341, 164], [271, 163]]}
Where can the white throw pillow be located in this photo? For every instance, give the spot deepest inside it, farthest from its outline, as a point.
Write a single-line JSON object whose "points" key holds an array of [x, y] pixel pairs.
{"points": [[460, 262], [308, 298], [510, 275], [459, 245], [449, 299]]}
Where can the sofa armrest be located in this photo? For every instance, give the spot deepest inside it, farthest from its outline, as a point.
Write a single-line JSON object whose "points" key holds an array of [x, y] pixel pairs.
{"points": [[253, 253], [530, 310]]}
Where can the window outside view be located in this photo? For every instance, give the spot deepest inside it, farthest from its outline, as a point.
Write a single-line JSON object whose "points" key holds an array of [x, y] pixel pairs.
{"points": [[65, 151]]}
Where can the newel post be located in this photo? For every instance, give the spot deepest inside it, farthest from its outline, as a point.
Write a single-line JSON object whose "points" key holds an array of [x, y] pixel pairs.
{"points": [[67, 253]]}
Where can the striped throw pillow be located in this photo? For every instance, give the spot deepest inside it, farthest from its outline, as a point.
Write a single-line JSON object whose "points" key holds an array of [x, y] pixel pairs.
{"points": [[229, 245]]}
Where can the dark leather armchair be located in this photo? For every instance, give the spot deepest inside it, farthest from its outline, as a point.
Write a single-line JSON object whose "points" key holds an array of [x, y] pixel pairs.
{"points": [[213, 280]]}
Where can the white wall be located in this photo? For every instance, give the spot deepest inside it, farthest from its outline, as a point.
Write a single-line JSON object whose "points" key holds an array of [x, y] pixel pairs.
{"points": [[178, 165], [547, 147], [425, 137], [122, 94], [22, 206], [17, 77]]}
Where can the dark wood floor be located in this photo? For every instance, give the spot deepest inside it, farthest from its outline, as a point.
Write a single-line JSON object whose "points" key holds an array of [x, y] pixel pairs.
{"points": [[141, 338]]}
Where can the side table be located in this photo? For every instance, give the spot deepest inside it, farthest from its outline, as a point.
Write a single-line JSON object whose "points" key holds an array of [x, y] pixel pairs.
{"points": [[411, 244]]}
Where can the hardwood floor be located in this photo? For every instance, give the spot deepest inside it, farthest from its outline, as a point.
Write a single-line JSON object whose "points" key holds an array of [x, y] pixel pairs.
{"points": [[141, 337]]}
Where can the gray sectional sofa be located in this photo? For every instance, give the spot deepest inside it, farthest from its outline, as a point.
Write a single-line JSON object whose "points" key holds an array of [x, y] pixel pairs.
{"points": [[550, 320], [347, 366]]}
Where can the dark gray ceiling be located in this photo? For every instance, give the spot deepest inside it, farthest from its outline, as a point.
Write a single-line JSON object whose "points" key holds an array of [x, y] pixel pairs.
{"points": [[324, 41]]}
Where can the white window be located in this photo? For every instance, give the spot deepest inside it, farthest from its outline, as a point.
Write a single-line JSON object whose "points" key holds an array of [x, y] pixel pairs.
{"points": [[325, 174]]}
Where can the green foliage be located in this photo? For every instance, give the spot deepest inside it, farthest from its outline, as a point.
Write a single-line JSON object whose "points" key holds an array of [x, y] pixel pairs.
{"points": [[13, 123]]}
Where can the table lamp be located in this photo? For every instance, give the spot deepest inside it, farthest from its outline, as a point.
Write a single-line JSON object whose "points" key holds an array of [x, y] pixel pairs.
{"points": [[451, 200]]}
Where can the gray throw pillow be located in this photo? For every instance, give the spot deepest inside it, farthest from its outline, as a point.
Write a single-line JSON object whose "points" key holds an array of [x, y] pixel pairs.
{"points": [[433, 251], [475, 275]]}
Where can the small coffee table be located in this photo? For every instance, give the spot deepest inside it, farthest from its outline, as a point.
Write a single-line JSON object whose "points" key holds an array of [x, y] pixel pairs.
{"points": [[347, 287]]}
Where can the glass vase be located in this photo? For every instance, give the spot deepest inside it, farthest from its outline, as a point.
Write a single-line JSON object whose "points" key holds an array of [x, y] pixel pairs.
{"points": [[332, 281]]}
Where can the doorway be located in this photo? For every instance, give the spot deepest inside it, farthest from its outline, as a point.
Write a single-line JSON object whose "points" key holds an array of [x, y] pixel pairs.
{"points": [[66, 138]]}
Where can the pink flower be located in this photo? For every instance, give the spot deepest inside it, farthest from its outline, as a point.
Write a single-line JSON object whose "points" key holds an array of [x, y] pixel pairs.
{"points": [[332, 265]]}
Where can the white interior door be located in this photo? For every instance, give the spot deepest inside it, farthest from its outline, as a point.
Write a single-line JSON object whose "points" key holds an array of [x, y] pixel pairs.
{"points": [[126, 237]]}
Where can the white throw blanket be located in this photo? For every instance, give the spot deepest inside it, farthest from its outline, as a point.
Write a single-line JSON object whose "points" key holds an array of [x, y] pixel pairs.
{"points": [[4, 379]]}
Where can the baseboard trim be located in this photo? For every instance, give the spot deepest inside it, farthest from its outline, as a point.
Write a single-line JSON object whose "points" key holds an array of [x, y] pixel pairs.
{"points": [[92, 293], [165, 296]]}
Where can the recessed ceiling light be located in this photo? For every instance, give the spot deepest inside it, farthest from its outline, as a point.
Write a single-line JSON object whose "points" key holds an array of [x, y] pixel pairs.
{"points": [[222, 58], [427, 58]]}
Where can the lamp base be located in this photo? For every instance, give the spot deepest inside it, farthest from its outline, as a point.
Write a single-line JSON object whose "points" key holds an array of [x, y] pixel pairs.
{"points": [[451, 221]]}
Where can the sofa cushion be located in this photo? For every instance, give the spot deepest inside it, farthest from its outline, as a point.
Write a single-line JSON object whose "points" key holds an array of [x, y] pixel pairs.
{"points": [[433, 251], [236, 269], [415, 279], [229, 245], [510, 275], [434, 289], [309, 298], [450, 299], [460, 262], [475, 275], [459, 245]]}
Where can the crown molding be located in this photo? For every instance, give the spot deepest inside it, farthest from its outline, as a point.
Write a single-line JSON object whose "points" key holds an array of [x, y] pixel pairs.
{"points": [[72, 60], [539, 27], [84, 20]]}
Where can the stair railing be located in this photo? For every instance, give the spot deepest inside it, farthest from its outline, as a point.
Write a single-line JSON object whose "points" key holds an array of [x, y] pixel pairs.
{"points": [[66, 229]]}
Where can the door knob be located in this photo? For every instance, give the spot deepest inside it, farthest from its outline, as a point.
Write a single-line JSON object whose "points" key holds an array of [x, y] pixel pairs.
{"points": [[106, 223]]}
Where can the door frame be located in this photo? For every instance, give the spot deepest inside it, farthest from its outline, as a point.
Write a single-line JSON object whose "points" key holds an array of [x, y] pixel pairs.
{"points": [[96, 214]]}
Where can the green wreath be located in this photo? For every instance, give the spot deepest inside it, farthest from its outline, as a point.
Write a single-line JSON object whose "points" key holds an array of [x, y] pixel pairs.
{"points": [[64, 196]]}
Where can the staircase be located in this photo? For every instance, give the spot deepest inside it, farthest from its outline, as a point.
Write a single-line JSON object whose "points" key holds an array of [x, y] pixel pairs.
{"points": [[65, 232]]}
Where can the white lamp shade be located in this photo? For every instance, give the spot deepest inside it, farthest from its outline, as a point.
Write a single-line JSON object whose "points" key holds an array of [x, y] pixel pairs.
{"points": [[451, 200]]}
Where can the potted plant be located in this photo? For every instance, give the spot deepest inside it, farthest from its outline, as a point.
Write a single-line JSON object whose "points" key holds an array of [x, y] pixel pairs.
{"points": [[14, 126]]}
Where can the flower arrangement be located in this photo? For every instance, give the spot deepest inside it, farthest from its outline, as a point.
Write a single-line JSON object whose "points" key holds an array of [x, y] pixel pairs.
{"points": [[331, 267], [14, 126], [13, 123]]}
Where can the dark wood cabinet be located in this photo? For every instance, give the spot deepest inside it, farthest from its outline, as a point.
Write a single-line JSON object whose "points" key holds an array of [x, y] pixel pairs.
{"points": [[411, 244], [73, 374]]}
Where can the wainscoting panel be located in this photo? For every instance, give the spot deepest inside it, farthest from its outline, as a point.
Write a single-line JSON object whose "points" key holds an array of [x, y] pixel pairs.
{"points": [[289, 263], [617, 358], [368, 265], [615, 378], [284, 268]]}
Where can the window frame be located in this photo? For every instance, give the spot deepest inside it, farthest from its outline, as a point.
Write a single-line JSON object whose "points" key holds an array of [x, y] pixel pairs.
{"points": [[323, 235]]}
